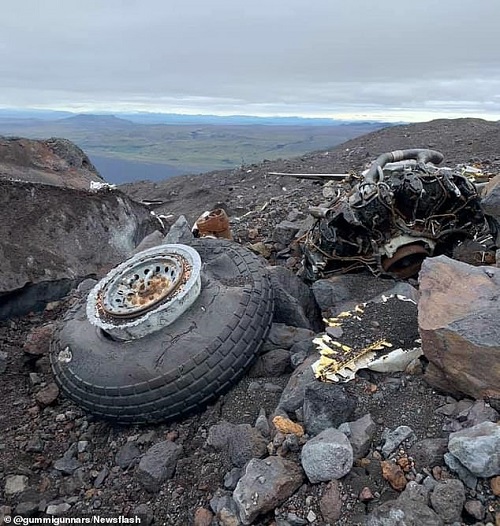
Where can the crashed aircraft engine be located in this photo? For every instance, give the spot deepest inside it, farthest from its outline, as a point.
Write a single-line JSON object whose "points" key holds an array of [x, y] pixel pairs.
{"points": [[401, 210]]}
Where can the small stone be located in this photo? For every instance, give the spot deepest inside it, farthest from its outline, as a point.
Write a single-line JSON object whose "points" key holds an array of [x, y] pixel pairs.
{"points": [[285, 232], [327, 456], [393, 512], [127, 455], [254, 497], [203, 517], [262, 424], [286, 426], [463, 473], [292, 397], [448, 499], [291, 443], [311, 516], [101, 477], [15, 484], [82, 446], [271, 364], [393, 474], [38, 340], [231, 478], [395, 438], [242, 442], [180, 232], [48, 395], [3, 361], [146, 438], [479, 412], [172, 436], [58, 509], [66, 464], [330, 504], [428, 452], [158, 464], [325, 406], [366, 494], [475, 509], [254, 386], [261, 249], [495, 486], [35, 445], [35, 379], [360, 434], [477, 449], [415, 492], [272, 388]]}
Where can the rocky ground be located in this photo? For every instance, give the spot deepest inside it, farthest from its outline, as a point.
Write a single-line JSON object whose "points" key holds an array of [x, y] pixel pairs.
{"points": [[280, 448]]}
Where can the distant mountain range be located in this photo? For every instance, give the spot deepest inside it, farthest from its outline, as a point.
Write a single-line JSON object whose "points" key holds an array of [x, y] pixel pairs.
{"points": [[180, 118], [127, 147]]}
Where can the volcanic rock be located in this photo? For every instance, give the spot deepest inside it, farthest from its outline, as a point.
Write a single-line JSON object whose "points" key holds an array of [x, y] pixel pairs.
{"points": [[78, 234], [461, 339], [265, 485], [327, 456], [53, 161]]}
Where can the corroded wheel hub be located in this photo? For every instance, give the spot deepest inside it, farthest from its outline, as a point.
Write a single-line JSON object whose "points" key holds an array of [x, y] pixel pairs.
{"points": [[147, 292], [144, 285]]}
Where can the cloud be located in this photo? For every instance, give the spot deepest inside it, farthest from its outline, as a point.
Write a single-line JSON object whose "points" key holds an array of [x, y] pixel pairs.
{"points": [[267, 56]]}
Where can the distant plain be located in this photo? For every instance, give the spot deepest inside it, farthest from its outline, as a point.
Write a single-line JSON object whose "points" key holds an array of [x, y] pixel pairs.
{"points": [[124, 150]]}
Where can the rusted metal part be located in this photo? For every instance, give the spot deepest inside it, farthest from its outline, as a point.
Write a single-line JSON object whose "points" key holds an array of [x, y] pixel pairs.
{"points": [[406, 262], [316, 177], [214, 223], [147, 292], [141, 288], [393, 216]]}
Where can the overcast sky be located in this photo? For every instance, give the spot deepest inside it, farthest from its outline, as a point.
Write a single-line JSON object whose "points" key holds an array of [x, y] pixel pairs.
{"points": [[389, 59]]}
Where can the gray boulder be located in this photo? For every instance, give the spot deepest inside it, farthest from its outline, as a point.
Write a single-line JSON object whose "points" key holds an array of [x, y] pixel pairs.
{"points": [[294, 303], [292, 397], [360, 434], [478, 449], [81, 234], [158, 464], [403, 512], [180, 232], [127, 455], [242, 442], [326, 405], [327, 456], [463, 473], [448, 499], [394, 438], [265, 485], [429, 452], [283, 336], [285, 232], [490, 201], [272, 363]]}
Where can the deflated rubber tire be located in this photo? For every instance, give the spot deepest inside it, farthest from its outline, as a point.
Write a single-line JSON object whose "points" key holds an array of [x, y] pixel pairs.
{"points": [[182, 367]]}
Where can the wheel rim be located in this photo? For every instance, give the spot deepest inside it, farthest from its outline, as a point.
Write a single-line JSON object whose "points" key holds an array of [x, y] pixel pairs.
{"points": [[147, 292], [143, 286]]}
